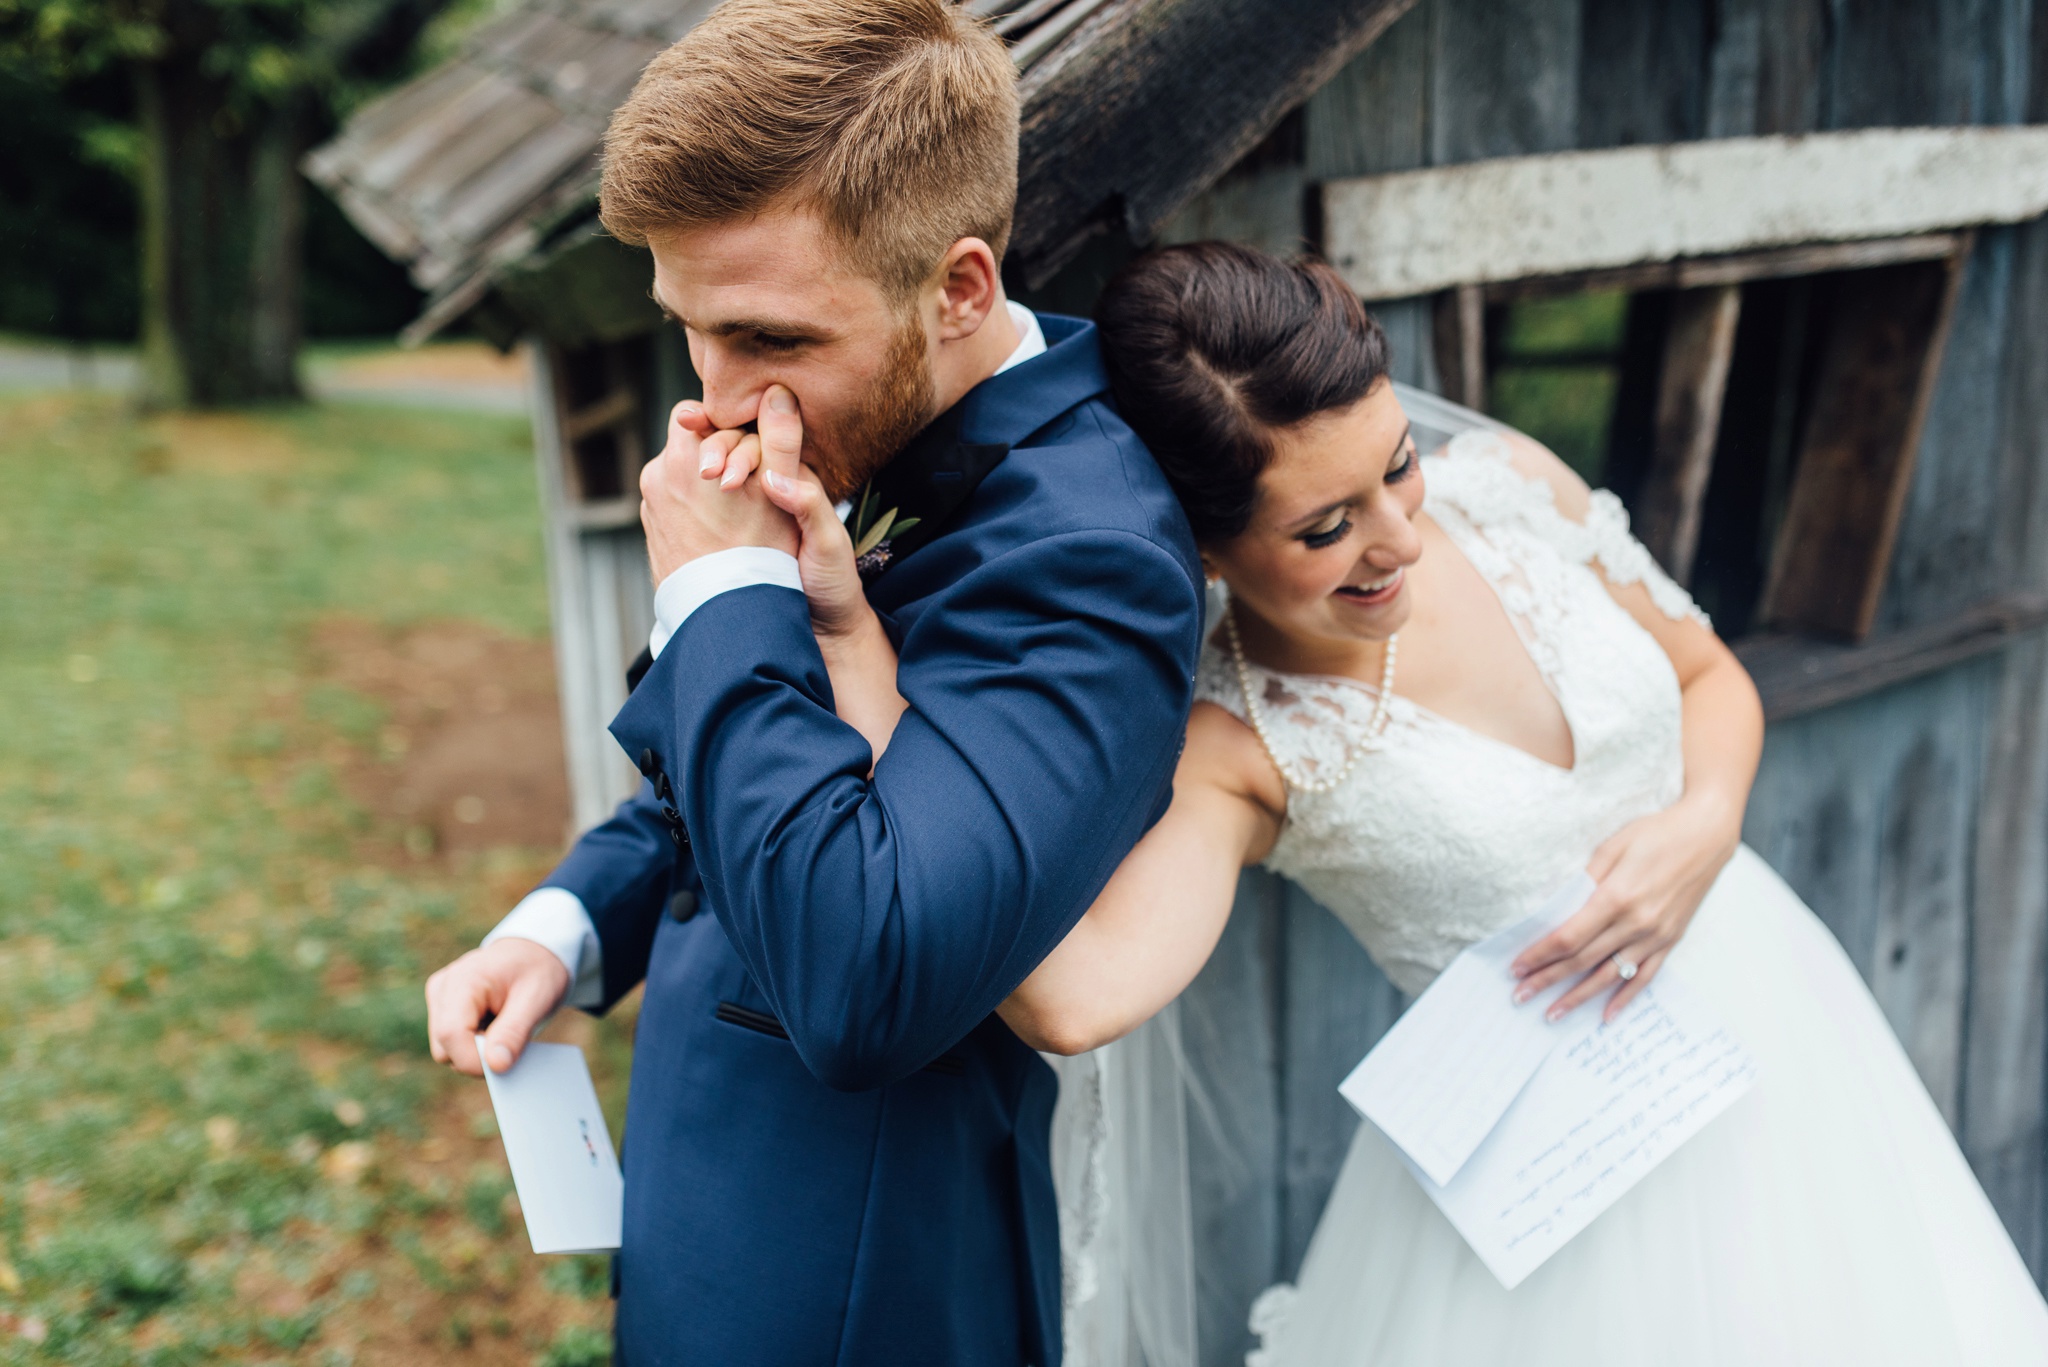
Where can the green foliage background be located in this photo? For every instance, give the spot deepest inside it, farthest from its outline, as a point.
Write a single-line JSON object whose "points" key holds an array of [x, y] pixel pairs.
{"points": [[70, 157]]}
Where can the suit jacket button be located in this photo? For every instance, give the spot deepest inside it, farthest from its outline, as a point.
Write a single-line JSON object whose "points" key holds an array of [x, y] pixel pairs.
{"points": [[682, 906], [662, 789], [649, 765]]}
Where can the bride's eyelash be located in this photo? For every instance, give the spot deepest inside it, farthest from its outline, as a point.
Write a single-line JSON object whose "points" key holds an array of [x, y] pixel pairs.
{"points": [[1406, 468], [1321, 540]]}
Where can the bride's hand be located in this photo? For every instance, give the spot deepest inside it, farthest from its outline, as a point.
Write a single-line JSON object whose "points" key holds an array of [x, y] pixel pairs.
{"points": [[1652, 876], [825, 560], [859, 656]]}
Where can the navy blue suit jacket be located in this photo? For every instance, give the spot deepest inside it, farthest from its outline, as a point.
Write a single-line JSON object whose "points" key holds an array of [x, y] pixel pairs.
{"points": [[834, 1152]]}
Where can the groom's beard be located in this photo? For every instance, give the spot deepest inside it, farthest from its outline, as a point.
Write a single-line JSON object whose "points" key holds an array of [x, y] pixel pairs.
{"points": [[896, 409]]}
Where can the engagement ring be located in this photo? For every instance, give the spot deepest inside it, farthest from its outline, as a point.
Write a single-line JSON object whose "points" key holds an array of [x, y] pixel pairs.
{"points": [[1626, 969]]}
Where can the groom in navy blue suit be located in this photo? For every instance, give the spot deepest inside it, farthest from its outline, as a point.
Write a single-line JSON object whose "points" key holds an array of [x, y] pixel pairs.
{"points": [[835, 1153]]}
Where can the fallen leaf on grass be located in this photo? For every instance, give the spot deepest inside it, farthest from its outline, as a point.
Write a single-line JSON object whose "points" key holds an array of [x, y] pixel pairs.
{"points": [[345, 1163]]}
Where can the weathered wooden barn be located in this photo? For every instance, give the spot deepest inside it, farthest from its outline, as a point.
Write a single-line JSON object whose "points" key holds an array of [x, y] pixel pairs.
{"points": [[1775, 273]]}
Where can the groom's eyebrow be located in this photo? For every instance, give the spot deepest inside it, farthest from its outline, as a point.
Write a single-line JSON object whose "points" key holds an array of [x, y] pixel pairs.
{"points": [[774, 327], [778, 327]]}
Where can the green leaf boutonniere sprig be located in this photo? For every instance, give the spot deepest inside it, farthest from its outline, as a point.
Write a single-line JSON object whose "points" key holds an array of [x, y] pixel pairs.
{"points": [[872, 532]]}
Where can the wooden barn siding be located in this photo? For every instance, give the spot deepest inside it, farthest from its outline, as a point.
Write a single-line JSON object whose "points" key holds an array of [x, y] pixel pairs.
{"points": [[1914, 821]]}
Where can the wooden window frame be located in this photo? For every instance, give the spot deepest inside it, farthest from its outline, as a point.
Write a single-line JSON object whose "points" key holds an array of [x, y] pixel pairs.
{"points": [[1877, 371]]}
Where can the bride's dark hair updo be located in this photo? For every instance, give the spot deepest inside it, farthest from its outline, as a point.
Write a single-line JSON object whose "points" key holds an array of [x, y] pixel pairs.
{"points": [[1211, 346]]}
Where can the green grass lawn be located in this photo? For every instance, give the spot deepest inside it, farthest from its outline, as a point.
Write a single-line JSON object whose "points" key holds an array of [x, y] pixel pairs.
{"points": [[220, 1137]]}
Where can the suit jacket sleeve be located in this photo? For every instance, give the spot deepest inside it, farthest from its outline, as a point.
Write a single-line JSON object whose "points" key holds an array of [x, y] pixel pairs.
{"points": [[884, 918], [621, 871]]}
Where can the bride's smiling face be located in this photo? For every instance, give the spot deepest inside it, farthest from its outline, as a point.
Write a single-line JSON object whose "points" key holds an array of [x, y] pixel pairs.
{"points": [[1324, 560]]}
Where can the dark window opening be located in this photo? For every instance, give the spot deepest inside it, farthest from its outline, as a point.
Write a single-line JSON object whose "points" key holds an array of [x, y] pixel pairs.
{"points": [[601, 391], [1759, 430], [598, 476]]}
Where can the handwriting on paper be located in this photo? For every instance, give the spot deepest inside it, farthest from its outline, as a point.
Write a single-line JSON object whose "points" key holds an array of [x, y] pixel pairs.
{"points": [[1603, 1111]]}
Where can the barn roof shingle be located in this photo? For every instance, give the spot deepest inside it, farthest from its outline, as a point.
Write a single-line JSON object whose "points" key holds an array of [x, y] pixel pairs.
{"points": [[1130, 108]]}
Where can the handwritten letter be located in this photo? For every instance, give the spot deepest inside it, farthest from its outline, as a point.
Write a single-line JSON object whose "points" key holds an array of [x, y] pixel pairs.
{"points": [[1606, 1108]]}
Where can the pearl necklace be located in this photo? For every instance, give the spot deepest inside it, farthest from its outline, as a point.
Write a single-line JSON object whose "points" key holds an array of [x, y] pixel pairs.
{"points": [[1374, 729]]}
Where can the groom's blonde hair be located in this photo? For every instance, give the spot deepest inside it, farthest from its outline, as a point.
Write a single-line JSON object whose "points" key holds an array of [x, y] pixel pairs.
{"points": [[895, 121]]}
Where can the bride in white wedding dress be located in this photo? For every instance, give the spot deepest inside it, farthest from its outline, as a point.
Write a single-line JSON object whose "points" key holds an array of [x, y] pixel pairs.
{"points": [[1442, 685]]}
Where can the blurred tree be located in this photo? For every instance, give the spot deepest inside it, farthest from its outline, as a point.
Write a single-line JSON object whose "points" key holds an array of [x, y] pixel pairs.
{"points": [[228, 95], [67, 208]]}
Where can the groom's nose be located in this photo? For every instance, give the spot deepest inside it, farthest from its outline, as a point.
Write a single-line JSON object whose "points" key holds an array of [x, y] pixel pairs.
{"points": [[732, 388]]}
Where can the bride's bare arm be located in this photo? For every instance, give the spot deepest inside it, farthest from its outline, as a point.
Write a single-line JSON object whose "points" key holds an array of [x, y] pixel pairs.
{"points": [[859, 656], [1158, 920], [1654, 872]]}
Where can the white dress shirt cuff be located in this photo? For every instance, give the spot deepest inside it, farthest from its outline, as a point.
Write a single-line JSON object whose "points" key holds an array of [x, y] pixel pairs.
{"points": [[554, 918], [697, 583]]}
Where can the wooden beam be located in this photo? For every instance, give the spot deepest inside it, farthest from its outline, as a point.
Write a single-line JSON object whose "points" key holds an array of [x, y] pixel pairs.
{"points": [[1703, 271], [1153, 100], [1799, 674], [1697, 349], [1880, 357], [614, 408], [606, 515], [1461, 345], [1416, 232]]}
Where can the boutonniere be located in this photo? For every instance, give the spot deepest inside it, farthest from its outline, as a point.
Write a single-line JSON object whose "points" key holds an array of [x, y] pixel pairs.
{"points": [[872, 532]]}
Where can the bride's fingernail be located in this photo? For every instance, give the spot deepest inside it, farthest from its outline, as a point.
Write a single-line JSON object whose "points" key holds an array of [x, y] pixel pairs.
{"points": [[706, 461], [774, 481], [1522, 994]]}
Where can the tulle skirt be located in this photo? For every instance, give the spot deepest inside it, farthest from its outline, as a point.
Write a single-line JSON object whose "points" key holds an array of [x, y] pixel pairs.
{"points": [[1826, 1217]]}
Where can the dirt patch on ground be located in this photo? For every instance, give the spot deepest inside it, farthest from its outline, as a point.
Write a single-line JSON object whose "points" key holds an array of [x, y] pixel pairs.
{"points": [[217, 443], [449, 363], [469, 755]]}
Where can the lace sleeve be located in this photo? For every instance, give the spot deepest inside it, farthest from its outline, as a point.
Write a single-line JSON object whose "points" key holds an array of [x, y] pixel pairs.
{"points": [[1476, 474]]}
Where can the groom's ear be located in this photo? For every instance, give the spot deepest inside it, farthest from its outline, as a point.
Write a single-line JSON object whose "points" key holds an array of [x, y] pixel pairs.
{"points": [[970, 286]]}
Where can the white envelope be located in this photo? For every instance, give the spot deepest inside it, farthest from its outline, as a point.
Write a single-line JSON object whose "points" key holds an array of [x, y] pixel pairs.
{"points": [[563, 1166]]}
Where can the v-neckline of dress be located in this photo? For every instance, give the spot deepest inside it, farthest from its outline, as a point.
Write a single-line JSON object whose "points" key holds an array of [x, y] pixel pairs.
{"points": [[1550, 685]]}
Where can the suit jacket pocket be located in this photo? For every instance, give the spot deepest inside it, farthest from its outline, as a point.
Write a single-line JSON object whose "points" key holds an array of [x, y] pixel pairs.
{"points": [[761, 1023]]}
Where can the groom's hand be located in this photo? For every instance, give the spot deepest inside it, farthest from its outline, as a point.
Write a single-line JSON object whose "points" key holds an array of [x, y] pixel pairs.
{"points": [[513, 984], [686, 514]]}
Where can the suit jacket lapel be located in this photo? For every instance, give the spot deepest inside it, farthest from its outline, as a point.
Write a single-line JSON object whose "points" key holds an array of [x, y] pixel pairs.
{"points": [[918, 492]]}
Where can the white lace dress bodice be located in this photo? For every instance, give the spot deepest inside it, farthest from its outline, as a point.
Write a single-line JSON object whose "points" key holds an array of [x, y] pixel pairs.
{"points": [[1441, 835]]}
